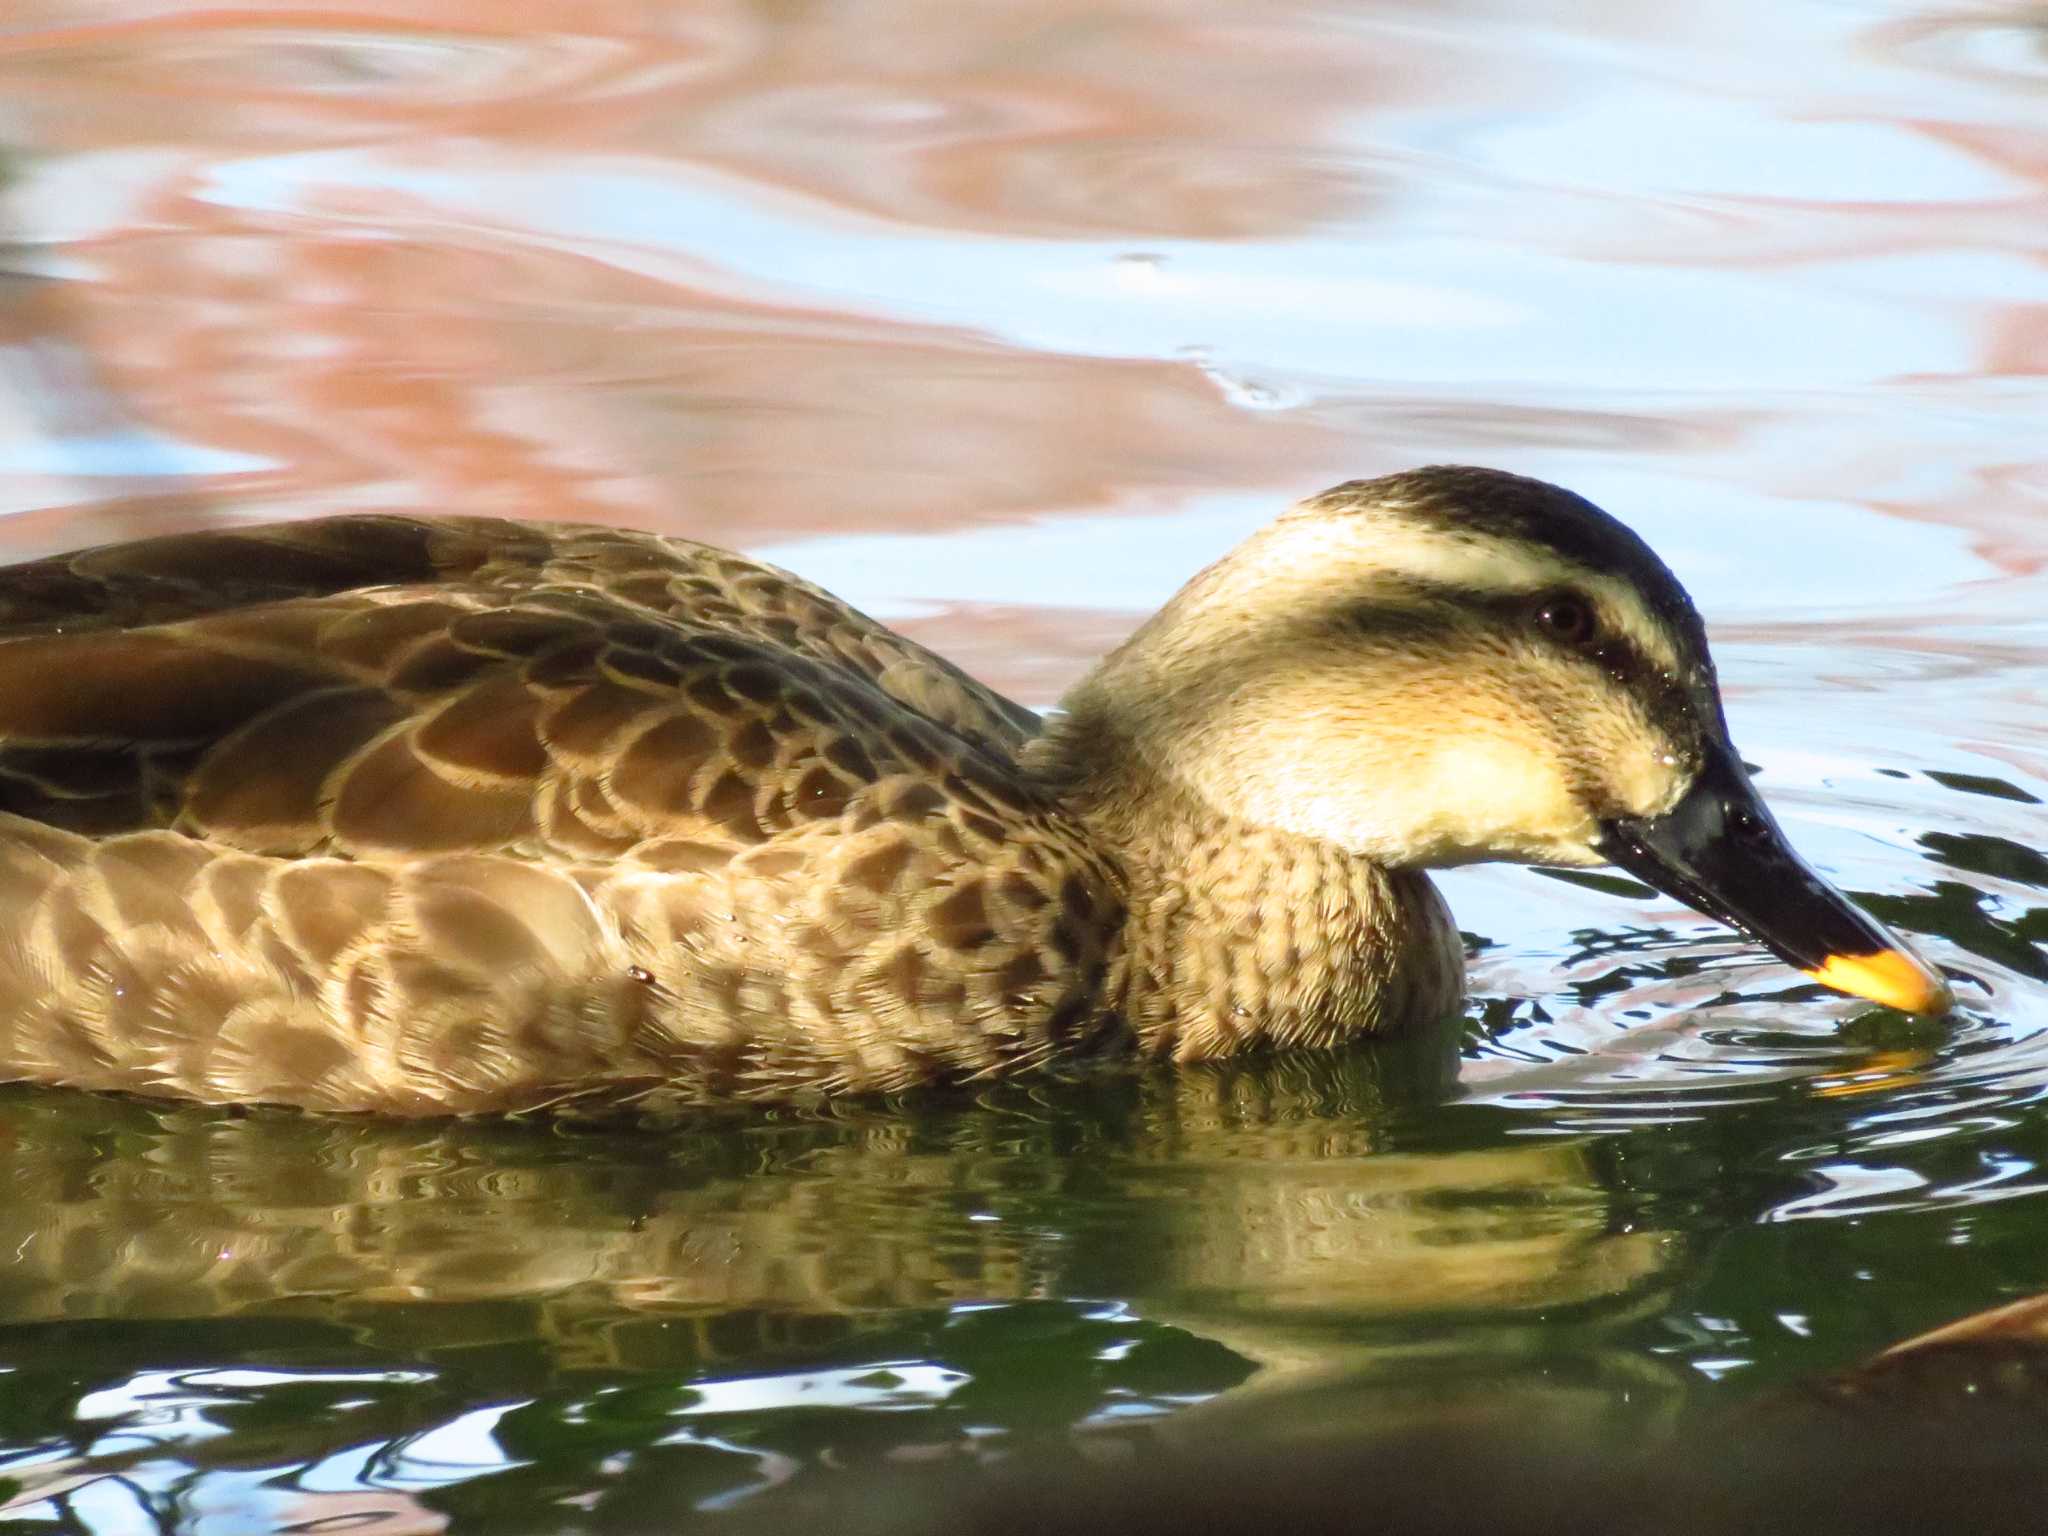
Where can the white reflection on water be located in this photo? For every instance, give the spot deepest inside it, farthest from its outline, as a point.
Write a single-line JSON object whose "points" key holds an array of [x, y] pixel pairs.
{"points": [[1638, 138], [895, 1384], [141, 1461], [459, 1448], [1863, 1189], [122, 1476], [175, 1397], [1427, 310]]}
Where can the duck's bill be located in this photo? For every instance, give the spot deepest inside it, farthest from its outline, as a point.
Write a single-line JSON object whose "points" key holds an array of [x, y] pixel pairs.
{"points": [[1720, 851]]}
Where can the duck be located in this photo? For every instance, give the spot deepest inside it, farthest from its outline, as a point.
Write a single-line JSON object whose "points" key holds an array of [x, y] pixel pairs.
{"points": [[443, 816]]}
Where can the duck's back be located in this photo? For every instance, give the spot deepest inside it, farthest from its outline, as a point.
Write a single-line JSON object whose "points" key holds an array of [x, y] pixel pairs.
{"points": [[417, 815]]}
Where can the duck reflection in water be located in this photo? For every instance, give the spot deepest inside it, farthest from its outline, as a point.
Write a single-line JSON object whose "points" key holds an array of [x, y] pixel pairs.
{"points": [[1250, 1221], [1287, 1204]]}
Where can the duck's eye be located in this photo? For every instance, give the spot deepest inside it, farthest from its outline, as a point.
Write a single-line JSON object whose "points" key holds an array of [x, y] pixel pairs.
{"points": [[1566, 618]]}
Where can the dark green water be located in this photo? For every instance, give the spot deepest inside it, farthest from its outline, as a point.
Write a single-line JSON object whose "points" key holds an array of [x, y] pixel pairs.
{"points": [[1004, 319], [265, 1319]]}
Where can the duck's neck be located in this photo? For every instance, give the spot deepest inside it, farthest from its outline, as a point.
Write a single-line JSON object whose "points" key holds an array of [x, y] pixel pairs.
{"points": [[1239, 936]]}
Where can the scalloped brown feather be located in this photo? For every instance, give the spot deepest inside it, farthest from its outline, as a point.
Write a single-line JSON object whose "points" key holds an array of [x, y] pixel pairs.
{"points": [[430, 816]]}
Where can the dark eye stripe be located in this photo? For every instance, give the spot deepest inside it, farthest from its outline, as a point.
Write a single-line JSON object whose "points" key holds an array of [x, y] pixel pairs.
{"points": [[1413, 607]]}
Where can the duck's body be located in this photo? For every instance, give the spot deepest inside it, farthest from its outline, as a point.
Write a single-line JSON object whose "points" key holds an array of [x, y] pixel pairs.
{"points": [[452, 816]]}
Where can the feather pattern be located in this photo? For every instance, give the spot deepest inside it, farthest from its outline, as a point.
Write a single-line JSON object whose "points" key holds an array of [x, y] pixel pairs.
{"points": [[461, 816]]}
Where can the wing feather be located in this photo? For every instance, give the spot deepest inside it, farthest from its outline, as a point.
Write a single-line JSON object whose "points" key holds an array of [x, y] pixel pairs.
{"points": [[379, 685], [422, 815]]}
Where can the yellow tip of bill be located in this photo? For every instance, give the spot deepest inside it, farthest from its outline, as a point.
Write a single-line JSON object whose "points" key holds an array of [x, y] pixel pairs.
{"points": [[1891, 976]]}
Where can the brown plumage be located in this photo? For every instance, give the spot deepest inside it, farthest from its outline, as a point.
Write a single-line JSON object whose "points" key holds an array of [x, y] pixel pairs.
{"points": [[427, 816]]}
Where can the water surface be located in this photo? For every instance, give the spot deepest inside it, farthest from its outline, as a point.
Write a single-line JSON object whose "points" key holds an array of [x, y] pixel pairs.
{"points": [[1002, 320]]}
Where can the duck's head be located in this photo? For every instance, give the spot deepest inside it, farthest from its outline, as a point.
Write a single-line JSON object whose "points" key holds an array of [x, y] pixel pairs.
{"points": [[1453, 665]]}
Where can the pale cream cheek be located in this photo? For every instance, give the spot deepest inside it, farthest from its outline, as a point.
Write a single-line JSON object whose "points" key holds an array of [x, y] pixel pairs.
{"points": [[1647, 778], [1478, 798], [1427, 803]]}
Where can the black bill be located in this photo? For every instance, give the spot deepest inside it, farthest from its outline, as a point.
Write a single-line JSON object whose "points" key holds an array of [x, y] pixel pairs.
{"points": [[1720, 851]]}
